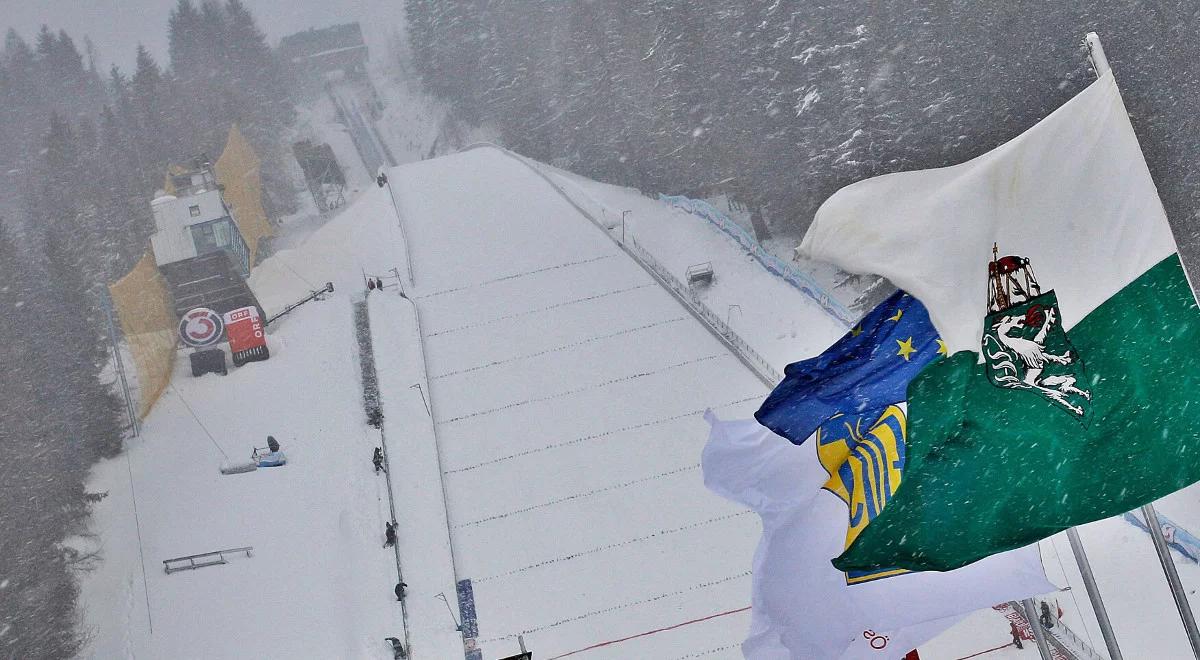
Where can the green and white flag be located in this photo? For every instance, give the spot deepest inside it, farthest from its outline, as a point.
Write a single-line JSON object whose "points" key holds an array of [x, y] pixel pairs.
{"points": [[1070, 390]]}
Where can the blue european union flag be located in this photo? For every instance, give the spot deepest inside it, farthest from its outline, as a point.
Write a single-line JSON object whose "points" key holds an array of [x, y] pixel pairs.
{"points": [[867, 370]]}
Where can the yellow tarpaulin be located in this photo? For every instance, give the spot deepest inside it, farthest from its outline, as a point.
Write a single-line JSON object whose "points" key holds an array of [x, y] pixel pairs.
{"points": [[147, 319], [238, 171]]}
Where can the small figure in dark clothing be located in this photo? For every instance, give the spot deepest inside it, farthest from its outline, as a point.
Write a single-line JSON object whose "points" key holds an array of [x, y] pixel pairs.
{"points": [[370, 284], [381, 179], [379, 283], [377, 459], [272, 444], [1046, 617], [389, 535], [400, 588], [397, 647], [1016, 635]]}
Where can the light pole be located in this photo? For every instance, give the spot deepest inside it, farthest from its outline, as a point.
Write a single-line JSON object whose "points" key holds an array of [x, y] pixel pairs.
{"points": [[623, 214], [457, 625], [730, 309], [422, 391]]}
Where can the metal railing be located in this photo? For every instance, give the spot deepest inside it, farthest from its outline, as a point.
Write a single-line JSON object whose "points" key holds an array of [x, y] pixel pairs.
{"points": [[799, 279], [1063, 641], [214, 558], [1069, 641], [685, 294], [1078, 646]]}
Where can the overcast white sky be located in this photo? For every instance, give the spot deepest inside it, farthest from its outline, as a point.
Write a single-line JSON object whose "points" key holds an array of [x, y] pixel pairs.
{"points": [[117, 26]]}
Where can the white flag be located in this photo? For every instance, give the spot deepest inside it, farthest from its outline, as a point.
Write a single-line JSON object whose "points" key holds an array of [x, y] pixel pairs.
{"points": [[802, 607]]}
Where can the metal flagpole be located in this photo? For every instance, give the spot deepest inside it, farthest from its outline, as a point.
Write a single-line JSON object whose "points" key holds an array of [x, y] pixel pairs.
{"points": [[1100, 63], [1093, 592], [1096, 53], [1039, 635], [1168, 564]]}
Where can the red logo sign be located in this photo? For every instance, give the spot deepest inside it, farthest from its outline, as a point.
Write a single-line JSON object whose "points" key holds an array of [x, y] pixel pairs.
{"points": [[201, 327], [247, 338], [245, 329]]}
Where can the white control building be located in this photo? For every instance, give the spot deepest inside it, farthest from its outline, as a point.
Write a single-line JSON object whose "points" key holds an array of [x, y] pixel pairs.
{"points": [[195, 221]]}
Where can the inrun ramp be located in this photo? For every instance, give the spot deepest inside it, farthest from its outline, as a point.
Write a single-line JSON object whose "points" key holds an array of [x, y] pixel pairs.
{"points": [[567, 388]]}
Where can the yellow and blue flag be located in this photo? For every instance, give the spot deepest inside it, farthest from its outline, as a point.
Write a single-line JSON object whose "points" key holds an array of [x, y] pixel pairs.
{"points": [[854, 381]]}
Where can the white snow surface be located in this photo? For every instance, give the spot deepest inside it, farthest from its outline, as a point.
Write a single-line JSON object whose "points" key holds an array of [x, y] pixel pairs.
{"points": [[567, 387], [557, 466]]}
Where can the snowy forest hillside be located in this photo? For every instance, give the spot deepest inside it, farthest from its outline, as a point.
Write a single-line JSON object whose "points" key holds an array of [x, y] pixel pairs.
{"points": [[81, 154], [779, 104]]}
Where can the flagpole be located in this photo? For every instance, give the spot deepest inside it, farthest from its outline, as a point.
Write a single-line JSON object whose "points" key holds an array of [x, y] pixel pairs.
{"points": [[1093, 592], [1168, 564], [1100, 64], [1039, 635], [1096, 53]]}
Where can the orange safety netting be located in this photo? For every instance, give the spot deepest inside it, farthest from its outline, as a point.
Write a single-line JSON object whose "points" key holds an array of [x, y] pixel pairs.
{"points": [[238, 171], [143, 307]]}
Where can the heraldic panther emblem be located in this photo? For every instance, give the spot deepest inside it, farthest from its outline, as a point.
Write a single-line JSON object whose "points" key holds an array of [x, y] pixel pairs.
{"points": [[1024, 344]]}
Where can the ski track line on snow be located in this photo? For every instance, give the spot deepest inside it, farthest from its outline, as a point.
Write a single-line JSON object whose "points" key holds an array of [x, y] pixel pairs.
{"points": [[514, 276], [542, 309], [614, 608], [559, 348], [613, 546], [597, 436], [576, 496], [596, 386]]}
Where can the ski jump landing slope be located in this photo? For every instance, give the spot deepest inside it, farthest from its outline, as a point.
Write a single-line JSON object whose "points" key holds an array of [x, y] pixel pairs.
{"points": [[566, 387]]}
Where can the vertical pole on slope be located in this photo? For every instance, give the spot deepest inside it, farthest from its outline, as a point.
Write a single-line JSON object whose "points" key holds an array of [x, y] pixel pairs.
{"points": [[116, 349], [1039, 635], [1093, 592], [457, 625], [1100, 64], [1168, 564], [423, 400]]}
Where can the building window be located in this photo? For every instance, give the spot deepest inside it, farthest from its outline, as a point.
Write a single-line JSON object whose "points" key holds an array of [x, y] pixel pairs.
{"points": [[194, 209], [222, 234], [213, 236]]}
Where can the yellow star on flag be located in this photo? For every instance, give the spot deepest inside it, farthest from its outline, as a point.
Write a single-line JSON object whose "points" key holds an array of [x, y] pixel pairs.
{"points": [[899, 313], [942, 350], [906, 348], [856, 331]]}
